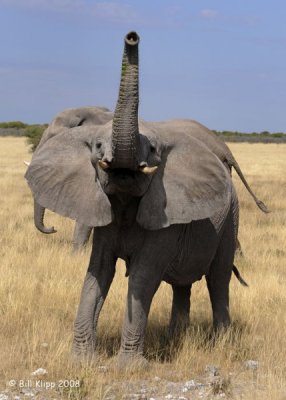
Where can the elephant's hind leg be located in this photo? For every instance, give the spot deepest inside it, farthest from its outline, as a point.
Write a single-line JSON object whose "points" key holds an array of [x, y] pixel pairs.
{"points": [[219, 276], [180, 314]]}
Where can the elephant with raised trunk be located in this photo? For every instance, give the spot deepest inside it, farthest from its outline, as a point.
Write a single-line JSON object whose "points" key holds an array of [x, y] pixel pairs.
{"points": [[158, 198], [92, 116]]}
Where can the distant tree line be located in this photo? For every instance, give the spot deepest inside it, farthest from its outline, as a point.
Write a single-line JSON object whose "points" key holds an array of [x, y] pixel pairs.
{"points": [[34, 133], [13, 124], [253, 137]]}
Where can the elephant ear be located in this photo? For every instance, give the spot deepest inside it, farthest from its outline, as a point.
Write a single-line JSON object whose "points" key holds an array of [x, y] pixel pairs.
{"points": [[63, 179], [190, 184]]}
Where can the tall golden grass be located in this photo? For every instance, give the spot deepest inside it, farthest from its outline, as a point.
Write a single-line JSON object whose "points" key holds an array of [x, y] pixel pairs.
{"points": [[41, 281]]}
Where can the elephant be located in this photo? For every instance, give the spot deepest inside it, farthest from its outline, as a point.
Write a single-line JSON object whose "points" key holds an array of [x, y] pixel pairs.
{"points": [[75, 117], [157, 197]]}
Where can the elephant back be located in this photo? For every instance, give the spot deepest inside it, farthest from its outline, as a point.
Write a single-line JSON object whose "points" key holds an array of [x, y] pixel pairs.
{"points": [[74, 117]]}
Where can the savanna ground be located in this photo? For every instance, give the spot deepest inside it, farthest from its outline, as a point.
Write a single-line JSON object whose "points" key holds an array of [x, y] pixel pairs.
{"points": [[41, 281]]}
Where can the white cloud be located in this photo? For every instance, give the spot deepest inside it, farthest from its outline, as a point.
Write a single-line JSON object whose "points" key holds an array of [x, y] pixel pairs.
{"points": [[242, 20], [51, 5], [109, 10], [250, 20], [209, 14]]}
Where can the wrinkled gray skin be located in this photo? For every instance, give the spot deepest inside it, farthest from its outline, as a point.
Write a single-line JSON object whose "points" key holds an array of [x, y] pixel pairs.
{"points": [[176, 223], [71, 118]]}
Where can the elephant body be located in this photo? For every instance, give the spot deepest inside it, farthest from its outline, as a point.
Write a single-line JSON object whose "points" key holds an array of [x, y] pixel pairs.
{"points": [[154, 248], [180, 255], [157, 197]]}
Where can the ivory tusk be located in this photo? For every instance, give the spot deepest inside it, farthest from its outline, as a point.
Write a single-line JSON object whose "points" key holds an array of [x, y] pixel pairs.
{"points": [[103, 164], [27, 163], [148, 170]]}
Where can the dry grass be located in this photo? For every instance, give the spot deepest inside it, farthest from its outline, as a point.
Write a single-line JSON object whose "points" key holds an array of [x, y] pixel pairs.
{"points": [[41, 280]]}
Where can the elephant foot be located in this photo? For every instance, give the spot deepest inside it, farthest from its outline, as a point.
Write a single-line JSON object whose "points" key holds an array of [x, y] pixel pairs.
{"points": [[83, 358], [131, 362], [178, 329], [83, 354], [221, 327]]}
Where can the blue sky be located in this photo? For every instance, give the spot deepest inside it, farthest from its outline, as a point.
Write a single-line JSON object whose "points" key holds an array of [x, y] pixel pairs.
{"points": [[222, 63]]}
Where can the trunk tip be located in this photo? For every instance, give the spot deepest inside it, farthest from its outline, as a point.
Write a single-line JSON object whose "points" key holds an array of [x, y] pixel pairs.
{"points": [[132, 38]]}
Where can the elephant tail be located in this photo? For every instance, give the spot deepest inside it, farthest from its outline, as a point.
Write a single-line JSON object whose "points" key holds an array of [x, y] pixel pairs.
{"points": [[238, 276], [258, 202]]}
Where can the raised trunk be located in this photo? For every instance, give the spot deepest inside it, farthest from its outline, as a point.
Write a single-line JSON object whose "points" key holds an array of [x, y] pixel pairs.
{"points": [[39, 213], [125, 132]]}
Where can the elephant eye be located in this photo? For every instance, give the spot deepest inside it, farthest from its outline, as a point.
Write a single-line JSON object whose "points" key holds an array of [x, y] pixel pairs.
{"points": [[98, 145], [152, 148]]}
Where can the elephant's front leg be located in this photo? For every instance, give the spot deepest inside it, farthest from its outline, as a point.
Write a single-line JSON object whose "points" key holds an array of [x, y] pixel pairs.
{"points": [[147, 269], [94, 291], [141, 289], [180, 314]]}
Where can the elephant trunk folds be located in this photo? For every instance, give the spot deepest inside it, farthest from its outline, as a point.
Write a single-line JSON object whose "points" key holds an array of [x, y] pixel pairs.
{"points": [[125, 130]]}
